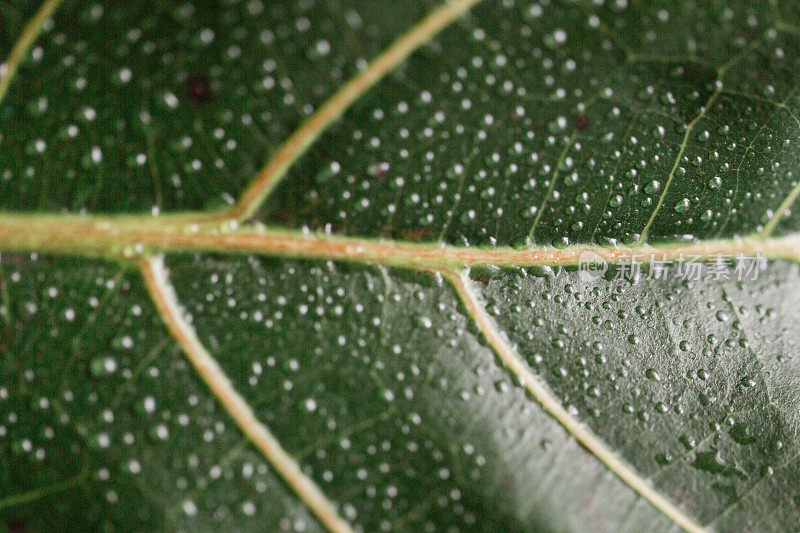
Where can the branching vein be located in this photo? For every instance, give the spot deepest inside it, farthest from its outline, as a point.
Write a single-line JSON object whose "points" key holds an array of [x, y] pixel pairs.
{"points": [[132, 236], [24, 43], [542, 394], [310, 131], [162, 293]]}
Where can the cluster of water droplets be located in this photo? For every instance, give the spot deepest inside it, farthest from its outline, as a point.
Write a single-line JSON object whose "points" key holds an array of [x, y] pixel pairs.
{"points": [[549, 124], [141, 108], [97, 402], [378, 384], [689, 380]]}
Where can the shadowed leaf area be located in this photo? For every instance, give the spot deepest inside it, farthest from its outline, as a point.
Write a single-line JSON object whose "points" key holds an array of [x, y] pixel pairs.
{"points": [[519, 123]]}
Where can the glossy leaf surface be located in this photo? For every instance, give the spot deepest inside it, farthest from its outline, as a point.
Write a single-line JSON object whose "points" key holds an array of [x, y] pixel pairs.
{"points": [[197, 366]]}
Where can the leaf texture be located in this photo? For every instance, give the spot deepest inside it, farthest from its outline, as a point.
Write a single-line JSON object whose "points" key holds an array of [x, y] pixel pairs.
{"points": [[105, 425], [567, 123], [694, 384], [126, 107], [305, 266]]}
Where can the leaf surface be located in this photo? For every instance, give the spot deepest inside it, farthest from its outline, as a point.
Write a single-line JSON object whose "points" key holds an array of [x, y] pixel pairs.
{"points": [[104, 424], [567, 123], [695, 384], [186, 347], [173, 106]]}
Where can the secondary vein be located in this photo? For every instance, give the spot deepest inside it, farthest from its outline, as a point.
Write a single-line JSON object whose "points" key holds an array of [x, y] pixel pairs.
{"points": [[24, 43], [161, 291], [552, 405], [309, 131], [684, 144]]}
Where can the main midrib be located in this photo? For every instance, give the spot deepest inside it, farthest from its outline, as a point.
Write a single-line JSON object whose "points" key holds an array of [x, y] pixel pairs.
{"points": [[132, 237], [128, 237]]}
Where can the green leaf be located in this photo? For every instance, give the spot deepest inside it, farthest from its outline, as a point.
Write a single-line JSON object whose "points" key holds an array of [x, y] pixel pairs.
{"points": [[102, 421], [695, 383], [568, 123], [142, 107], [184, 345]]}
